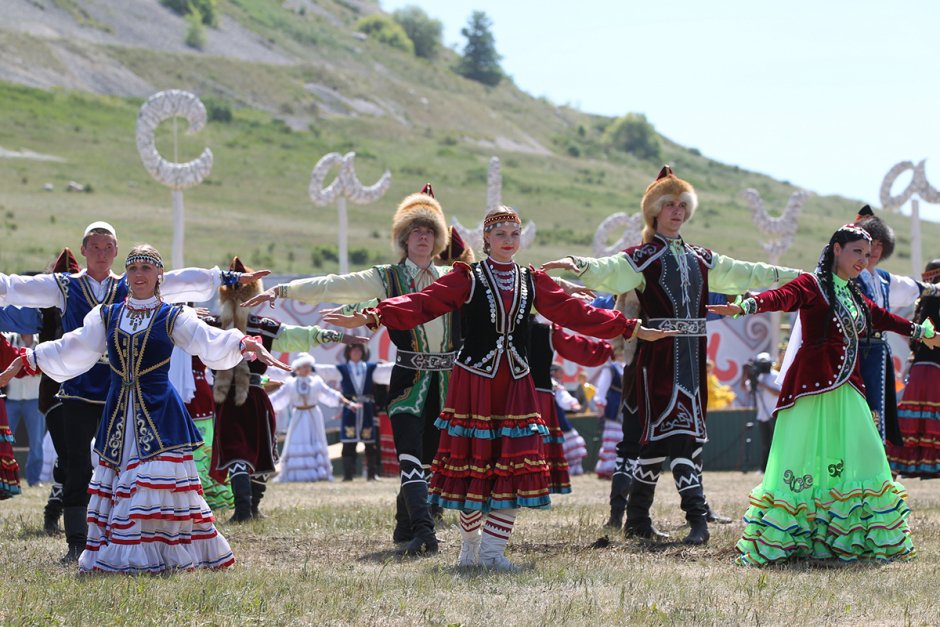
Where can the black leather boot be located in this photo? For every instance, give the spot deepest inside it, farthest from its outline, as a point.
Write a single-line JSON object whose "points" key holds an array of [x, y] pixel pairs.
{"points": [[424, 541], [372, 462], [699, 531], [349, 467], [53, 511], [257, 493], [241, 490], [639, 524], [620, 484], [402, 532], [76, 532]]}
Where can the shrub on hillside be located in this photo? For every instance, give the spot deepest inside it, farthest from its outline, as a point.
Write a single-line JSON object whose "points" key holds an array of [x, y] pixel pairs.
{"points": [[217, 110], [207, 9], [423, 30], [480, 61], [385, 30], [195, 32], [634, 134]]}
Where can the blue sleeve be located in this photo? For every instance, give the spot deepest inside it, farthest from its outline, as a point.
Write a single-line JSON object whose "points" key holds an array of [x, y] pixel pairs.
{"points": [[604, 302], [20, 319]]}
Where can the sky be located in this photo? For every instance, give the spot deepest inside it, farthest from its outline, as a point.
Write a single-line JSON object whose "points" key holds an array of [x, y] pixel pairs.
{"points": [[826, 95]]}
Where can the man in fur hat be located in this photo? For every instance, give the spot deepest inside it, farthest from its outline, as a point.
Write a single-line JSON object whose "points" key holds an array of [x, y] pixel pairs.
{"points": [[672, 279], [424, 358], [244, 448], [75, 294]]}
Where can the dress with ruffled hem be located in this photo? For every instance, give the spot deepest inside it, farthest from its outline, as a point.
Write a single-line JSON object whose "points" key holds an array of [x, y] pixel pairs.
{"points": [[150, 517], [217, 495], [9, 469], [919, 422], [306, 455], [553, 449], [607, 456], [827, 491], [490, 455]]}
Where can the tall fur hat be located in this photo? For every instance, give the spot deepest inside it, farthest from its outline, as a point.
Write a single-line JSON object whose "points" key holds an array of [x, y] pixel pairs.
{"points": [[420, 209], [667, 186]]}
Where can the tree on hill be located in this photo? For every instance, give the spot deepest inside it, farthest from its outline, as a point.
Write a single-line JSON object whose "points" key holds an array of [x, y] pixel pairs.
{"points": [[423, 30], [634, 134], [384, 29], [205, 10], [480, 61]]}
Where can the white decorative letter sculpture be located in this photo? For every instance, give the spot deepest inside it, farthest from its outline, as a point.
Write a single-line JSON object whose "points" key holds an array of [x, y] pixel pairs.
{"points": [[918, 186], [163, 106], [346, 185]]}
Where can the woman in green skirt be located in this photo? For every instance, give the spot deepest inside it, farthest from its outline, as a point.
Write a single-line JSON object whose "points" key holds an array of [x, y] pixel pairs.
{"points": [[827, 491]]}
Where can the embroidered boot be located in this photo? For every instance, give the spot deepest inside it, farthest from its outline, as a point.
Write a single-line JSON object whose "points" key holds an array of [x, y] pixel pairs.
{"points": [[496, 532], [241, 490], [53, 511], [620, 484], [470, 526], [402, 531], [258, 487]]}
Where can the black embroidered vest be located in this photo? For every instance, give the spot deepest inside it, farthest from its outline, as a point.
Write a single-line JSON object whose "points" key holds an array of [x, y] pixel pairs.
{"points": [[490, 331]]}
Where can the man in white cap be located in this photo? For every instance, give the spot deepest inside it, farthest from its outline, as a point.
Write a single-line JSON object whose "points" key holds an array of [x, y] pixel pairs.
{"points": [[75, 295]]}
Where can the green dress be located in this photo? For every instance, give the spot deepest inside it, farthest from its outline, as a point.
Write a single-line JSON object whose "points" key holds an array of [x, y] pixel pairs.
{"points": [[827, 491]]}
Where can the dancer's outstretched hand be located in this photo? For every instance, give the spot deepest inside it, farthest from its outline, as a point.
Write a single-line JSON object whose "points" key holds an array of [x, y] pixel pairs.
{"points": [[252, 346], [565, 263], [12, 370], [354, 340], [251, 277], [728, 309], [651, 335], [267, 296], [347, 321], [573, 289]]}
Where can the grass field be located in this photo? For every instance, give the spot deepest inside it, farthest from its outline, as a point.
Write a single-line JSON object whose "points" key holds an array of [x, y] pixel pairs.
{"points": [[323, 555]]}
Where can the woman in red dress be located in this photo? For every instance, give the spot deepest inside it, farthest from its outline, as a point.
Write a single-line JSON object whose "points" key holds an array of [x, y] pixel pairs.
{"points": [[491, 457]]}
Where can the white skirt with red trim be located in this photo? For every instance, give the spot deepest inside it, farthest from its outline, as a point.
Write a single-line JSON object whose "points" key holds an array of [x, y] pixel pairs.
{"points": [[150, 517]]}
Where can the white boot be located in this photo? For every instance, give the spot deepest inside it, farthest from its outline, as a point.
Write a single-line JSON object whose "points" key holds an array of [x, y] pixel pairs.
{"points": [[470, 526], [496, 533]]}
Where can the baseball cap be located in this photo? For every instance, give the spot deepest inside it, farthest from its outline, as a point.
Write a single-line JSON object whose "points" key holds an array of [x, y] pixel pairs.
{"points": [[100, 225]]}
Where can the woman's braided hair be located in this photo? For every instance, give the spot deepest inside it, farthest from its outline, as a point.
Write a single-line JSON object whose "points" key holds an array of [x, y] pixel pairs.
{"points": [[824, 269]]}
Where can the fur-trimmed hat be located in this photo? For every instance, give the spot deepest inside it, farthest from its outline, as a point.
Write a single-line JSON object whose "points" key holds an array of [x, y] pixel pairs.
{"points": [[420, 209], [456, 250], [303, 359], [667, 186], [66, 262]]}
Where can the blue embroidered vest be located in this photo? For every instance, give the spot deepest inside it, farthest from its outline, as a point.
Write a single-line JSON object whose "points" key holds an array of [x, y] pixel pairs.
{"points": [[140, 364], [79, 298], [359, 424]]}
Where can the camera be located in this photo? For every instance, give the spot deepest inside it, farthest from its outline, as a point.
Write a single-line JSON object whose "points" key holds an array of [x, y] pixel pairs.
{"points": [[757, 366]]}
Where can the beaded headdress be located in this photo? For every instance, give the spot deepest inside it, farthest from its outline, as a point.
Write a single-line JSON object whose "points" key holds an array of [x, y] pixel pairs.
{"points": [[929, 275], [153, 260], [855, 230], [490, 222]]}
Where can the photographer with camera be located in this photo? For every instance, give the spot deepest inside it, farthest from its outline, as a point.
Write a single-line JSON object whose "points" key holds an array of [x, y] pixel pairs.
{"points": [[760, 379]]}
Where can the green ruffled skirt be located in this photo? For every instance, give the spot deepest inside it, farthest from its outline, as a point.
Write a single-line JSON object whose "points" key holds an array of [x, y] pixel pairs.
{"points": [[217, 495], [827, 491]]}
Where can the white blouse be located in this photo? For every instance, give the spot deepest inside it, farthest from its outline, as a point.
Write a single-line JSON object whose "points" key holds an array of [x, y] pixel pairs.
{"points": [[79, 350], [304, 391]]}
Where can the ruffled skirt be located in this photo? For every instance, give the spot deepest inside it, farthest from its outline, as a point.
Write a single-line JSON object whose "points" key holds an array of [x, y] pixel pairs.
{"points": [[553, 449], [919, 422], [575, 451], [217, 495], [607, 456], [490, 455], [827, 490], [306, 456], [9, 469], [150, 516]]}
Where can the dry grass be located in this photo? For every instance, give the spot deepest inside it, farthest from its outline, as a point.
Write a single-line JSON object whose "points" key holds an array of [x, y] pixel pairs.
{"points": [[323, 555]]}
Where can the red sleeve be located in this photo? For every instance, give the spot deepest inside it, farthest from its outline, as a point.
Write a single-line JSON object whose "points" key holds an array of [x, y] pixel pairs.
{"points": [[446, 294], [886, 321], [573, 313], [790, 297], [579, 349], [9, 353]]}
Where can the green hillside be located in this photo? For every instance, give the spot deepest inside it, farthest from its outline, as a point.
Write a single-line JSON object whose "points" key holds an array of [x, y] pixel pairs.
{"points": [[323, 90]]}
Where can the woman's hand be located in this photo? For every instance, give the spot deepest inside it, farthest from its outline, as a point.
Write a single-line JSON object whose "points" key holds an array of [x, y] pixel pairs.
{"points": [[250, 277], [565, 263], [347, 321], [267, 296], [353, 406], [251, 346], [728, 309], [354, 340], [651, 335], [573, 289], [12, 370], [933, 342]]}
